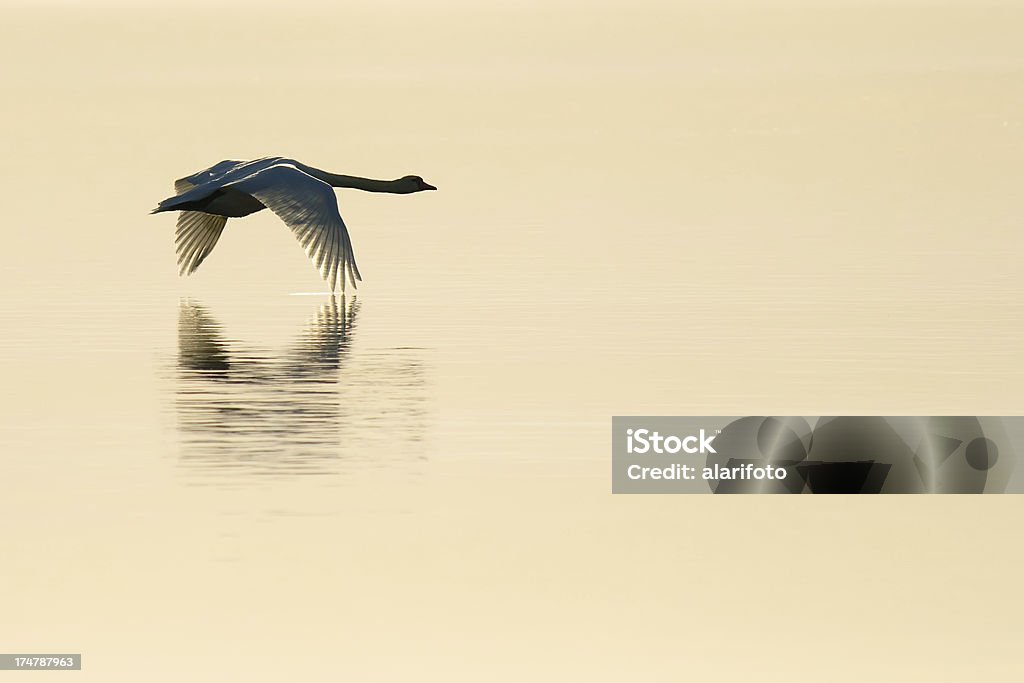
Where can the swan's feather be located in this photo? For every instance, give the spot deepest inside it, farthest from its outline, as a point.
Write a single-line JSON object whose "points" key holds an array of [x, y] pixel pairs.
{"points": [[197, 233], [196, 236], [310, 208], [215, 172], [306, 204]]}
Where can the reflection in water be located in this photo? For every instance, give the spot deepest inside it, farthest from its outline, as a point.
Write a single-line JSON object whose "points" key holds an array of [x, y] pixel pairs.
{"points": [[299, 411]]}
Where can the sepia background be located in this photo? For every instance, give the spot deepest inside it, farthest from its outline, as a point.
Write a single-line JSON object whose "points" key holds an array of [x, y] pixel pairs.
{"points": [[644, 208]]}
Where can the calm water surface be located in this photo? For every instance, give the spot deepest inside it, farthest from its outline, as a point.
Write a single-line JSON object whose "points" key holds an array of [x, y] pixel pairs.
{"points": [[678, 210]]}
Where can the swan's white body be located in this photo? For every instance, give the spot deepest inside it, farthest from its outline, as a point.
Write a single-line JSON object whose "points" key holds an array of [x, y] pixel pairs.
{"points": [[300, 195]]}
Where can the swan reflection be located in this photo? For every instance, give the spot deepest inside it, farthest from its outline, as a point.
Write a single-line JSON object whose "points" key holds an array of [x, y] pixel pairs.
{"points": [[302, 410]]}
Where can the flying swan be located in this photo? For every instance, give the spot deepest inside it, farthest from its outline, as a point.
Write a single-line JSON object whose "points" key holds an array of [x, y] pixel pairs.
{"points": [[300, 195]]}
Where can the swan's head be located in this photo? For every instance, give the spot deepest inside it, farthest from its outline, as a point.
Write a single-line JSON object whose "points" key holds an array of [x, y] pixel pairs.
{"points": [[412, 183]]}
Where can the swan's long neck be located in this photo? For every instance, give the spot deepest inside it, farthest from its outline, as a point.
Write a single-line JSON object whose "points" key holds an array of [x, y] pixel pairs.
{"points": [[367, 184]]}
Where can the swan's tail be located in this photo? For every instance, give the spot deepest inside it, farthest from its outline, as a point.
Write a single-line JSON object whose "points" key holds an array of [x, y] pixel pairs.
{"points": [[182, 202], [169, 204]]}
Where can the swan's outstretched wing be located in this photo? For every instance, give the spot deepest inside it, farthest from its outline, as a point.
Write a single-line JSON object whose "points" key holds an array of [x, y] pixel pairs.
{"points": [[216, 171], [195, 238], [309, 207], [197, 233]]}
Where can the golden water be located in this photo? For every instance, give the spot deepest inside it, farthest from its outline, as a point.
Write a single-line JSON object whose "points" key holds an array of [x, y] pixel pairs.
{"points": [[704, 208]]}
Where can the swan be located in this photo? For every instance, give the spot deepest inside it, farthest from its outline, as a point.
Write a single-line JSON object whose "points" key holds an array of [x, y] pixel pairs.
{"points": [[300, 195]]}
